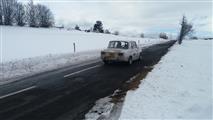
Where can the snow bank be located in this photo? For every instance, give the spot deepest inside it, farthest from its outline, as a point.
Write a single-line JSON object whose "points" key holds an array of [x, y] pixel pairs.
{"points": [[180, 86], [27, 51], [101, 110], [14, 70]]}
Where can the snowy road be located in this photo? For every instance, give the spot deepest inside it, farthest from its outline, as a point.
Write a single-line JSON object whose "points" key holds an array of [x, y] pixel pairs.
{"points": [[70, 92]]}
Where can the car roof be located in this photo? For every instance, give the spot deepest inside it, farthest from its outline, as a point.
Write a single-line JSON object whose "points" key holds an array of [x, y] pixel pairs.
{"points": [[124, 40]]}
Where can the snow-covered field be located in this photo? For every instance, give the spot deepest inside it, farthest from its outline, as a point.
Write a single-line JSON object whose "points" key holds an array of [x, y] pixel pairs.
{"points": [[179, 87], [25, 42], [27, 51]]}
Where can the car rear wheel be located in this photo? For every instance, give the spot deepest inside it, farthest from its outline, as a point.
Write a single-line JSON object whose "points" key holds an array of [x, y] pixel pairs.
{"points": [[140, 57], [106, 62]]}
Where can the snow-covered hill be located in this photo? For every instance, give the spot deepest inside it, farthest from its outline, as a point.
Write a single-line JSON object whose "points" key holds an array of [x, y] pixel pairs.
{"points": [[25, 42], [27, 51]]}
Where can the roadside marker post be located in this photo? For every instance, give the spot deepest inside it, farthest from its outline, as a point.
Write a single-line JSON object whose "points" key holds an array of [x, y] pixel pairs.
{"points": [[74, 47]]}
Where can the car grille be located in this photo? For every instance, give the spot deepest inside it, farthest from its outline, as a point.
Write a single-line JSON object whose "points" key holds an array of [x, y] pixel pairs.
{"points": [[110, 55]]}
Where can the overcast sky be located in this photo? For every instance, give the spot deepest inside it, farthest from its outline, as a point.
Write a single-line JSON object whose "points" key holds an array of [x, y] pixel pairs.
{"points": [[134, 16]]}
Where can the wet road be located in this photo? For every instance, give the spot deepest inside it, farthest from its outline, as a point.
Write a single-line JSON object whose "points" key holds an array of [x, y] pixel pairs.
{"points": [[69, 93]]}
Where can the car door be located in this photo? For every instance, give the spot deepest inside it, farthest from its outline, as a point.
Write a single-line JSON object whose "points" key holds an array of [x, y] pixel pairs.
{"points": [[137, 49], [134, 50]]}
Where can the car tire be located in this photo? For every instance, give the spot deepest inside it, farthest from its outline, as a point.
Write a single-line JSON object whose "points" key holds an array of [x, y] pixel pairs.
{"points": [[140, 57], [130, 60], [106, 62]]}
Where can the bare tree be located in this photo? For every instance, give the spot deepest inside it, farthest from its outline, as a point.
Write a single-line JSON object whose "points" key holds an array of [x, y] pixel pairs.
{"points": [[186, 29], [107, 31], [194, 37], [142, 35], [32, 14], [116, 33], [163, 36], [8, 7], [1, 12], [20, 16], [44, 16], [12, 12]]}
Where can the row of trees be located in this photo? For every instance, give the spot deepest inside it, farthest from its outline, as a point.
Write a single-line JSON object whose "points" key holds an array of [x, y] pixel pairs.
{"points": [[161, 35], [186, 29], [98, 28], [13, 12]]}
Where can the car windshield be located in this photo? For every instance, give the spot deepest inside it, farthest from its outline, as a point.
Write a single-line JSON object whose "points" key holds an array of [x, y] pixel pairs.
{"points": [[118, 44]]}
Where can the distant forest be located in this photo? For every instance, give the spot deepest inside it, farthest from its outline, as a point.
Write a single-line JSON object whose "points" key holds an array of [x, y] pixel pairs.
{"points": [[13, 12]]}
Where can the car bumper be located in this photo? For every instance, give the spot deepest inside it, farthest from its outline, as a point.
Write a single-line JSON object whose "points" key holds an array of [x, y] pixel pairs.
{"points": [[114, 59]]}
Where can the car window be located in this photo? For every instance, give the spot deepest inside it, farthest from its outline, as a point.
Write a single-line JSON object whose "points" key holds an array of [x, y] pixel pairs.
{"points": [[132, 45], [135, 45], [118, 44]]}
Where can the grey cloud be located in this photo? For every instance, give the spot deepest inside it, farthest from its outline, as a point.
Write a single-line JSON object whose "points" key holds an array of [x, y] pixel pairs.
{"points": [[133, 16]]}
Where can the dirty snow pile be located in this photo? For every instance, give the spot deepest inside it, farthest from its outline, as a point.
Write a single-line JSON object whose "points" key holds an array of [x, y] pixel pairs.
{"points": [[27, 51], [101, 110], [179, 87], [106, 108]]}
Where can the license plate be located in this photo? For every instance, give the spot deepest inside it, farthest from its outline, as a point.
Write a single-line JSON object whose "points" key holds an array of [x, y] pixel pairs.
{"points": [[110, 55]]}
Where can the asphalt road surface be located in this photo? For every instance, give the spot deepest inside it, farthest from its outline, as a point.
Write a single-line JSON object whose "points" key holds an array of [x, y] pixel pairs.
{"points": [[69, 93]]}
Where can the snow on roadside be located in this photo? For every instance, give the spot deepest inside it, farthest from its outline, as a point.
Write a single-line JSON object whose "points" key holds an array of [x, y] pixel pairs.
{"points": [[101, 110], [13, 70], [179, 87]]}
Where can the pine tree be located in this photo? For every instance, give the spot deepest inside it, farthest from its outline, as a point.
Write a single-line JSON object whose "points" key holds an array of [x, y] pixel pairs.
{"points": [[98, 27], [77, 28]]}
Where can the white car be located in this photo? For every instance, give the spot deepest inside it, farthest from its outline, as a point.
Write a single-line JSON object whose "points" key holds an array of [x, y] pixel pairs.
{"points": [[121, 51]]}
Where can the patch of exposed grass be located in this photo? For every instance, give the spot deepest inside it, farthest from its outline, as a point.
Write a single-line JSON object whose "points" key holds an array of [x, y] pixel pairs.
{"points": [[132, 84]]}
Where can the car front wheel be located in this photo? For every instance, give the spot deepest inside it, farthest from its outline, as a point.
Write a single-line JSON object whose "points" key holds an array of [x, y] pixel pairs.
{"points": [[130, 60]]}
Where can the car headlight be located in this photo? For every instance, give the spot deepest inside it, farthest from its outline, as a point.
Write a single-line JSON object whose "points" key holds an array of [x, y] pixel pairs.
{"points": [[102, 53]]}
